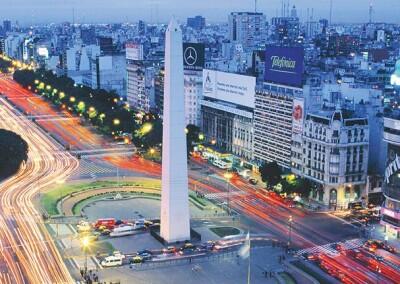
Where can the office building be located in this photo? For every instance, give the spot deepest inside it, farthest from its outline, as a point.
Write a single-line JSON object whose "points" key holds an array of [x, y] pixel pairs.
{"points": [[335, 156], [391, 186], [197, 22], [7, 26], [227, 114], [140, 85], [247, 28]]}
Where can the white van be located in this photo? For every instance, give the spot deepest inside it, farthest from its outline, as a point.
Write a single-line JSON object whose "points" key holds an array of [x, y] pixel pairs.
{"points": [[112, 260], [222, 165]]}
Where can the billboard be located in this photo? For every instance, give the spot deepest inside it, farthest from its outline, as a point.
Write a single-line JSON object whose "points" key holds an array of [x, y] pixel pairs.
{"points": [[193, 56], [229, 87], [134, 51], [284, 65], [298, 115]]}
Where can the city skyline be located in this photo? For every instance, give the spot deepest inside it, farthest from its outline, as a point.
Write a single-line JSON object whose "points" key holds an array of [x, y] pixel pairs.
{"points": [[159, 11]]}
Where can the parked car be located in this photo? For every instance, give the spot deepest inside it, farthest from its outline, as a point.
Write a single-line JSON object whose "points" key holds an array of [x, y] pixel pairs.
{"points": [[168, 250]]}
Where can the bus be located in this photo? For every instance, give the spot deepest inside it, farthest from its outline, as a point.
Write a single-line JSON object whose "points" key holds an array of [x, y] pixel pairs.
{"points": [[222, 164]]}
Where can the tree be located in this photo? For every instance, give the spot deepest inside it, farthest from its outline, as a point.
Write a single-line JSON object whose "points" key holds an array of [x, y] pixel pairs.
{"points": [[13, 152], [271, 174], [192, 137]]}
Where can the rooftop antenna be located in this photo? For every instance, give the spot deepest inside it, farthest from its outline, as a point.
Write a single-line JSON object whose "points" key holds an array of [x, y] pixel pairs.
{"points": [[73, 16], [255, 6], [330, 13]]}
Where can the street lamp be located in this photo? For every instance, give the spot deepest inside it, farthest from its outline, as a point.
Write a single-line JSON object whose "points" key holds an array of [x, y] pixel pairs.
{"points": [[116, 121], [228, 177], [85, 245], [290, 231]]}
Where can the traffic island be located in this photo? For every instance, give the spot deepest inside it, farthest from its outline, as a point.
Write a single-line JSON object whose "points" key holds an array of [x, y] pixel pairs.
{"points": [[195, 237]]}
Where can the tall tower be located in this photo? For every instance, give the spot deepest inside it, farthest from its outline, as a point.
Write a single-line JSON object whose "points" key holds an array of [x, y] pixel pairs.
{"points": [[175, 219]]}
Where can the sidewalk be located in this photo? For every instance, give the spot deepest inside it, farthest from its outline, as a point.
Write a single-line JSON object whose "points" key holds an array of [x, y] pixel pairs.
{"points": [[379, 234]]}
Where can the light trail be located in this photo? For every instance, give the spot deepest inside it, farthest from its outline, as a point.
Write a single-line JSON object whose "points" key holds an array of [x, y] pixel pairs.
{"points": [[26, 247]]}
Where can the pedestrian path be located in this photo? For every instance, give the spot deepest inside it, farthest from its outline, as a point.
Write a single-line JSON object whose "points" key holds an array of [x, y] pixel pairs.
{"points": [[330, 249]]}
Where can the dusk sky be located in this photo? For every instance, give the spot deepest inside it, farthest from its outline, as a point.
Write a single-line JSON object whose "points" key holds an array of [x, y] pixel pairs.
{"points": [[43, 11]]}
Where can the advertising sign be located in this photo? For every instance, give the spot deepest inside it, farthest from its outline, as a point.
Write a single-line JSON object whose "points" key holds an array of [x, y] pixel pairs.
{"points": [[193, 56], [229, 87], [134, 51], [284, 65], [298, 115]]}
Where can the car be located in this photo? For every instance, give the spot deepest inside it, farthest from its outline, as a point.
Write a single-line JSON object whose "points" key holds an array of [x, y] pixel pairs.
{"points": [[144, 251], [105, 232], [136, 259], [253, 181], [208, 245], [145, 256], [168, 250], [378, 258], [188, 246]]}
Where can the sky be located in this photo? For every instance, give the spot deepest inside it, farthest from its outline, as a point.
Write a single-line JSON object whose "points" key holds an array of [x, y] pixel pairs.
{"points": [[29, 12]]}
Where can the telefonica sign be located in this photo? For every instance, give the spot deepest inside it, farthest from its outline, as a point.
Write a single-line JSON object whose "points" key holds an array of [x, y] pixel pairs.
{"points": [[284, 65]]}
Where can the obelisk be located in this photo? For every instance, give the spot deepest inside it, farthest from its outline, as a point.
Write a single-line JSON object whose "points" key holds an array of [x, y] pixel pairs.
{"points": [[175, 218]]}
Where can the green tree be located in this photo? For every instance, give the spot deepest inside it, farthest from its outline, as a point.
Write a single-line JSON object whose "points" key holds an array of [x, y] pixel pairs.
{"points": [[192, 137], [13, 152], [271, 174]]}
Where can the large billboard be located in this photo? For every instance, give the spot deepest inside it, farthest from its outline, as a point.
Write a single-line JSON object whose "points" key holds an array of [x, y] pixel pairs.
{"points": [[298, 115], [284, 65], [134, 51], [193, 56], [229, 87]]}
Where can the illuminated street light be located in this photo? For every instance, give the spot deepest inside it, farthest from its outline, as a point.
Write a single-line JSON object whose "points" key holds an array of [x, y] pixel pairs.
{"points": [[152, 151], [72, 99], [201, 136], [116, 121], [213, 141], [85, 245], [290, 221], [228, 176]]}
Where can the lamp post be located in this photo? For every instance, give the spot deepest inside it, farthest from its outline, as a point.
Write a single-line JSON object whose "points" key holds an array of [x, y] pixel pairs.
{"points": [[228, 177], [85, 244], [290, 221]]}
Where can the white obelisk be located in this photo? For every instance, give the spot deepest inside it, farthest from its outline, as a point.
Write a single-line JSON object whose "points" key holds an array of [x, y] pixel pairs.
{"points": [[175, 219]]}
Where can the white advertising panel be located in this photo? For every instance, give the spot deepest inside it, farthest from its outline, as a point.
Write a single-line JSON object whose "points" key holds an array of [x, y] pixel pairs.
{"points": [[298, 115], [134, 51], [43, 51], [229, 87]]}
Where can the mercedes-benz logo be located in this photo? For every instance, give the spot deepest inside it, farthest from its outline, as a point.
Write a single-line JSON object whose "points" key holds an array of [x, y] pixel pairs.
{"points": [[190, 56]]}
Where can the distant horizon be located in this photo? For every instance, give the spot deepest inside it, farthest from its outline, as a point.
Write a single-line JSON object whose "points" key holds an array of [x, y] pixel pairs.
{"points": [[41, 12]]}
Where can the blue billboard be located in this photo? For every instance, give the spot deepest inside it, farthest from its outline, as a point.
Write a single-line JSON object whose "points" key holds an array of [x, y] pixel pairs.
{"points": [[284, 65]]}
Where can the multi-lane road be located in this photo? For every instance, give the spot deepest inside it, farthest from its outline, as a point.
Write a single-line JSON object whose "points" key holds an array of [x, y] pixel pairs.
{"points": [[263, 212], [27, 252]]}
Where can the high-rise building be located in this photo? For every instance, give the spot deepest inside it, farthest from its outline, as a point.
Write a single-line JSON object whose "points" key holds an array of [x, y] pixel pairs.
{"points": [[197, 22], [140, 85], [106, 45], [247, 28], [391, 186], [142, 28], [175, 219], [273, 124], [7, 26]]}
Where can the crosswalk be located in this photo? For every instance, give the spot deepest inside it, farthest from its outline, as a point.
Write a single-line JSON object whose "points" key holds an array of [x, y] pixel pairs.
{"points": [[224, 195], [88, 168], [329, 249]]}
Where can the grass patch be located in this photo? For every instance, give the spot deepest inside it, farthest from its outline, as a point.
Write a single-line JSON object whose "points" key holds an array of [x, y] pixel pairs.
{"points": [[225, 231], [50, 198], [310, 272], [287, 278], [101, 247]]}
